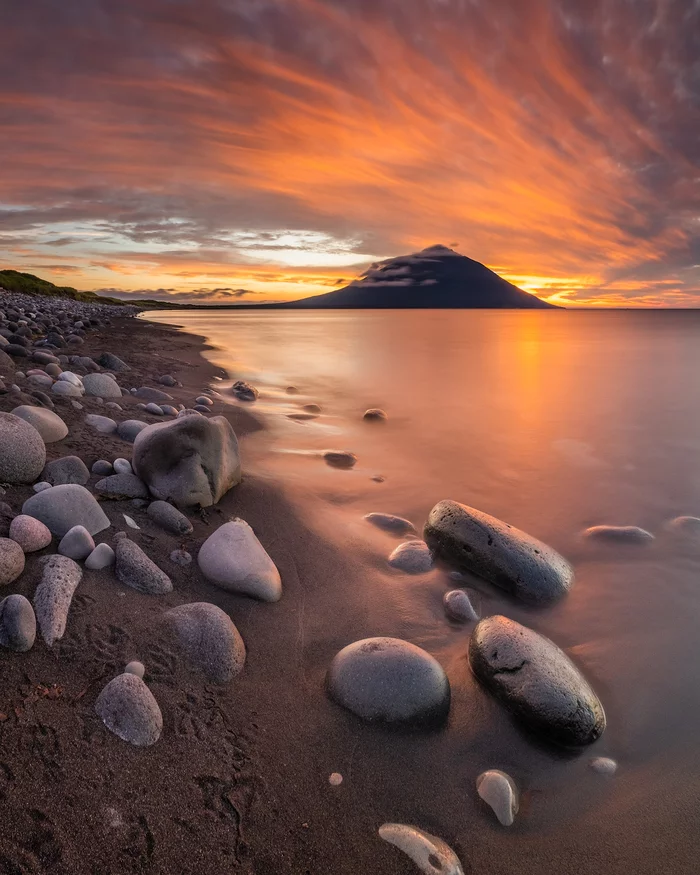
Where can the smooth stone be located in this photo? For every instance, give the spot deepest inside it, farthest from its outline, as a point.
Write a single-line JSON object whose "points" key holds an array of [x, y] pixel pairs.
{"points": [[430, 854], [340, 458], [291, 390], [390, 523], [135, 569], [121, 487], [203, 399], [62, 507], [181, 557], [102, 467], [122, 466], [148, 394], [302, 417], [244, 391], [153, 408], [103, 424], [128, 709], [189, 461], [187, 412], [130, 429], [66, 389], [536, 681], [76, 405], [602, 765], [130, 522], [22, 450], [40, 487], [53, 596], [101, 386], [498, 552], [11, 561], [17, 624], [135, 668], [41, 381], [389, 680], [210, 641], [49, 425], [498, 790], [101, 557], [374, 414], [168, 410], [311, 408], [29, 533], [112, 362], [167, 380], [234, 559], [619, 534], [412, 557], [169, 518], [335, 779], [76, 543], [113, 405], [458, 606], [69, 469], [687, 526], [53, 369], [200, 408]]}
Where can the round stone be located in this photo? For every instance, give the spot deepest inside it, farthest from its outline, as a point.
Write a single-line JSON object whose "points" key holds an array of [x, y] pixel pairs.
{"points": [[17, 623], [50, 426], [389, 523], [130, 428], [210, 641], [340, 458], [122, 466], [102, 467], [11, 561], [128, 709], [135, 668], [499, 791], [69, 469], [22, 450], [374, 414], [77, 543], [101, 386], [458, 606], [62, 507], [30, 534]]}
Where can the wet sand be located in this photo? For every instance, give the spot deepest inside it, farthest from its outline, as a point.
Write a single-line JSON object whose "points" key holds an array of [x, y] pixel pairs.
{"points": [[239, 779]]}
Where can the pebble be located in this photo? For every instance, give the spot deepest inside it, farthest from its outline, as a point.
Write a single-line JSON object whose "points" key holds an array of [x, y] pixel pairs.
{"points": [[619, 534], [497, 552], [135, 569], [70, 378], [22, 450], [122, 466], [390, 523], [210, 641], [340, 458], [69, 469], [101, 557], [458, 606], [153, 408], [17, 624], [688, 526], [203, 399], [167, 380], [603, 766], [103, 467], [201, 409], [169, 518], [112, 362], [101, 386], [135, 668], [428, 852], [65, 389], [40, 487], [244, 391], [76, 543], [131, 522], [389, 680], [121, 487], [181, 557], [103, 424], [311, 408], [49, 425], [168, 410], [30, 534], [374, 414], [335, 779], [11, 561], [128, 709], [62, 507], [412, 557], [53, 596], [130, 429], [498, 790], [234, 559], [150, 395]]}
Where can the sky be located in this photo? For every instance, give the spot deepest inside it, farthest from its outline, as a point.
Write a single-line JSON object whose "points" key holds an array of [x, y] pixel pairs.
{"points": [[250, 150]]}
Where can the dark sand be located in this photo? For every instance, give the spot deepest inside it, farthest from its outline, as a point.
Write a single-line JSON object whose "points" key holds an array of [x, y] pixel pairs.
{"points": [[238, 781]]}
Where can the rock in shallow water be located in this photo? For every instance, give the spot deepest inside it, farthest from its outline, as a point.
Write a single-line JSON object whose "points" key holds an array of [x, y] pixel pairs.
{"points": [[22, 450], [136, 570], [413, 557], [54, 594], [619, 534], [536, 681], [11, 561], [340, 459], [498, 552], [374, 414], [210, 641], [128, 709], [428, 852], [17, 624], [389, 523], [458, 606], [244, 391], [389, 680], [499, 791], [603, 766], [29, 533], [62, 507], [234, 559]]}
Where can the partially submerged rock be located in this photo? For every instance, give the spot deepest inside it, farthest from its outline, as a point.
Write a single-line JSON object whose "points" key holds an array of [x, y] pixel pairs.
{"points": [[389, 523], [244, 391], [22, 450], [234, 559], [458, 606], [498, 552], [128, 709], [375, 414], [498, 790], [536, 681], [17, 624], [135, 569], [62, 507], [413, 557], [389, 680], [340, 459], [130, 429], [428, 852], [619, 534], [54, 594], [603, 766], [209, 640]]}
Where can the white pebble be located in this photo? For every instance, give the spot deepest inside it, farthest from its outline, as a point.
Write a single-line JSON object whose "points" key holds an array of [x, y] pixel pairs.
{"points": [[428, 852], [499, 791], [335, 779], [136, 668], [130, 522], [603, 765]]}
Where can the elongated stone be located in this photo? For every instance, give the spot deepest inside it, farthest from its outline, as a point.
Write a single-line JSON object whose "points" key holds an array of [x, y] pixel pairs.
{"points": [[54, 594], [431, 854]]}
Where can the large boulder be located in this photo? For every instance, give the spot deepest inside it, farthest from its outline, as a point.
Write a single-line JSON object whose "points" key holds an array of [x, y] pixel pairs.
{"points": [[209, 640], [62, 507], [190, 461], [389, 680], [22, 450], [536, 681], [49, 425], [234, 559], [128, 709], [498, 552]]}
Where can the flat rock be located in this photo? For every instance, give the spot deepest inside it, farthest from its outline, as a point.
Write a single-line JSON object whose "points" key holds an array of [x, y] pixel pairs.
{"points": [[389, 680], [11, 561], [62, 507], [130, 429], [128, 709], [389, 523], [76, 543], [536, 681], [498, 552], [49, 425], [234, 559], [17, 624], [101, 386], [53, 596], [101, 557], [30, 534], [209, 640], [340, 459], [189, 461], [22, 450], [121, 487], [619, 534], [69, 469], [169, 518], [135, 569], [103, 424], [413, 557]]}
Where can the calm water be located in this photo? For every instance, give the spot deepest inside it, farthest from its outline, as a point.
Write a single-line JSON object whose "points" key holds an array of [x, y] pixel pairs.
{"points": [[552, 421]]}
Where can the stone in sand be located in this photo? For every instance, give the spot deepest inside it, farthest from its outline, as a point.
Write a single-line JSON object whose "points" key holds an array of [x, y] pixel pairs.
{"points": [[203, 399], [200, 408], [390, 523], [244, 391], [168, 410], [146, 393], [340, 458], [190, 461], [29, 533], [121, 487], [135, 569], [619, 534], [169, 518], [153, 409], [112, 362], [102, 467], [181, 557], [311, 408], [101, 386], [122, 466], [135, 667], [374, 414], [101, 557], [498, 790], [11, 561], [54, 594], [603, 766], [128, 709], [102, 424], [17, 624], [76, 543], [234, 559], [22, 450], [413, 557], [69, 469], [389, 680], [498, 552], [65, 389], [686, 526], [62, 507], [40, 487], [458, 606], [209, 640], [49, 425], [130, 429], [536, 681], [430, 854]]}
